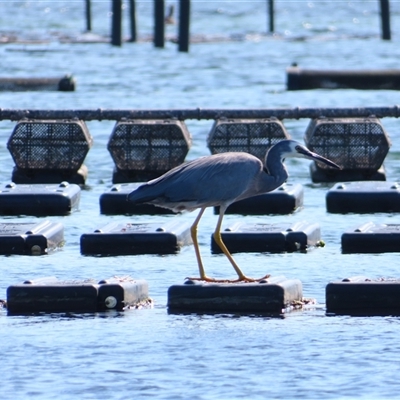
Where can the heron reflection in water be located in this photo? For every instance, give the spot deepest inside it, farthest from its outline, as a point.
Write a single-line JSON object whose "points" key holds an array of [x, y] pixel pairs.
{"points": [[220, 180]]}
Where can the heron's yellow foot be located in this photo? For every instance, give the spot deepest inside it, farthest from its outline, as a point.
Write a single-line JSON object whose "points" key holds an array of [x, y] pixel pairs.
{"points": [[240, 279], [207, 279], [244, 278]]}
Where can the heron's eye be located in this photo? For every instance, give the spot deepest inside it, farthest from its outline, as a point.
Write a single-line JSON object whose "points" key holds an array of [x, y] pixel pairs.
{"points": [[300, 149]]}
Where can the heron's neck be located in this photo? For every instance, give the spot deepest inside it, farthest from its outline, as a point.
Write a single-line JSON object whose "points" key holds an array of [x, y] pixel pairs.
{"points": [[275, 169]]}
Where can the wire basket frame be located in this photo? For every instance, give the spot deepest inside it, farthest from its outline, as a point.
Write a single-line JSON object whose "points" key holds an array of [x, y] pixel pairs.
{"points": [[152, 145], [252, 136], [43, 144], [352, 143]]}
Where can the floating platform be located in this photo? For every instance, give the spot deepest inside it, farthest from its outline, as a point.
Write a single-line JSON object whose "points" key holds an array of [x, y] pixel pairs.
{"points": [[283, 200], [122, 293], [28, 238], [319, 175], [65, 84], [304, 79], [360, 296], [363, 197], [270, 296], [268, 238], [114, 202], [372, 238], [36, 176], [51, 295], [39, 199], [124, 238]]}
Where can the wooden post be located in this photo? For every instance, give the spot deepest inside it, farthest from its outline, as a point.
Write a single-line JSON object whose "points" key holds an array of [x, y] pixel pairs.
{"points": [[132, 16], [159, 23], [271, 15], [184, 25], [116, 29], [88, 16], [385, 19]]}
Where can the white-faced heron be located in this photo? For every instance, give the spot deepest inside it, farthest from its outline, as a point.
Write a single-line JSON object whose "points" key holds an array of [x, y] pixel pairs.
{"points": [[220, 180]]}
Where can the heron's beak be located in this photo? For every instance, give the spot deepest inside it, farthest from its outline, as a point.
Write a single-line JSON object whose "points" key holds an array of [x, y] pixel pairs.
{"points": [[316, 157]]}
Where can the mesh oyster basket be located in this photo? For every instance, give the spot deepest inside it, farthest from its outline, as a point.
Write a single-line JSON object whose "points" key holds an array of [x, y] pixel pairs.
{"points": [[253, 136], [152, 145], [352, 143], [45, 144]]}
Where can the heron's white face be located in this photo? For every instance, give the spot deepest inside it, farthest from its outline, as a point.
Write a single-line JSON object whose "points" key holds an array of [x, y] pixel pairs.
{"points": [[303, 152], [295, 150]]}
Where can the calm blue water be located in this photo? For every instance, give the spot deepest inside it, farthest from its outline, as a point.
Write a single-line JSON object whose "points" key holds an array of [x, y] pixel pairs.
{"points": [[149, 353]]}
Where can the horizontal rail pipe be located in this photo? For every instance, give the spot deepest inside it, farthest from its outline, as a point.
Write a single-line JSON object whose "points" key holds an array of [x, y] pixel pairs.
{"points": [[200, 113]]}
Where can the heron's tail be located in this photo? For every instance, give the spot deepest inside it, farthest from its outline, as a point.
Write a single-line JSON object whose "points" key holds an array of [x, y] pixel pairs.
{"points": [[143, 194]]}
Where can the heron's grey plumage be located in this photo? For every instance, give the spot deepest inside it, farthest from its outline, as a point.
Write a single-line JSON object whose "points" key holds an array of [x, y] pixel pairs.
{"points": [[220, 180], [205, 182]]}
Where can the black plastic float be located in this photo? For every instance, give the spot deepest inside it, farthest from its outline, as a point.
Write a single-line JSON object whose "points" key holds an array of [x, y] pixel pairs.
{"points": [[29, 238], [52, 295], [65, 84], [37, 176], [372, 238], [39, 199], [319, 175], [363, 197], [284, 200], [270, 296], [121, 293], [122, 238], [361, 296], [271, 238], [114, 202], [305, 79]]}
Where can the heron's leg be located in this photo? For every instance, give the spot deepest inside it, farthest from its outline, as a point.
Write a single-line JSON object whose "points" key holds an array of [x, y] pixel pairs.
{"points": [[193, 233], [221, 244]]}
